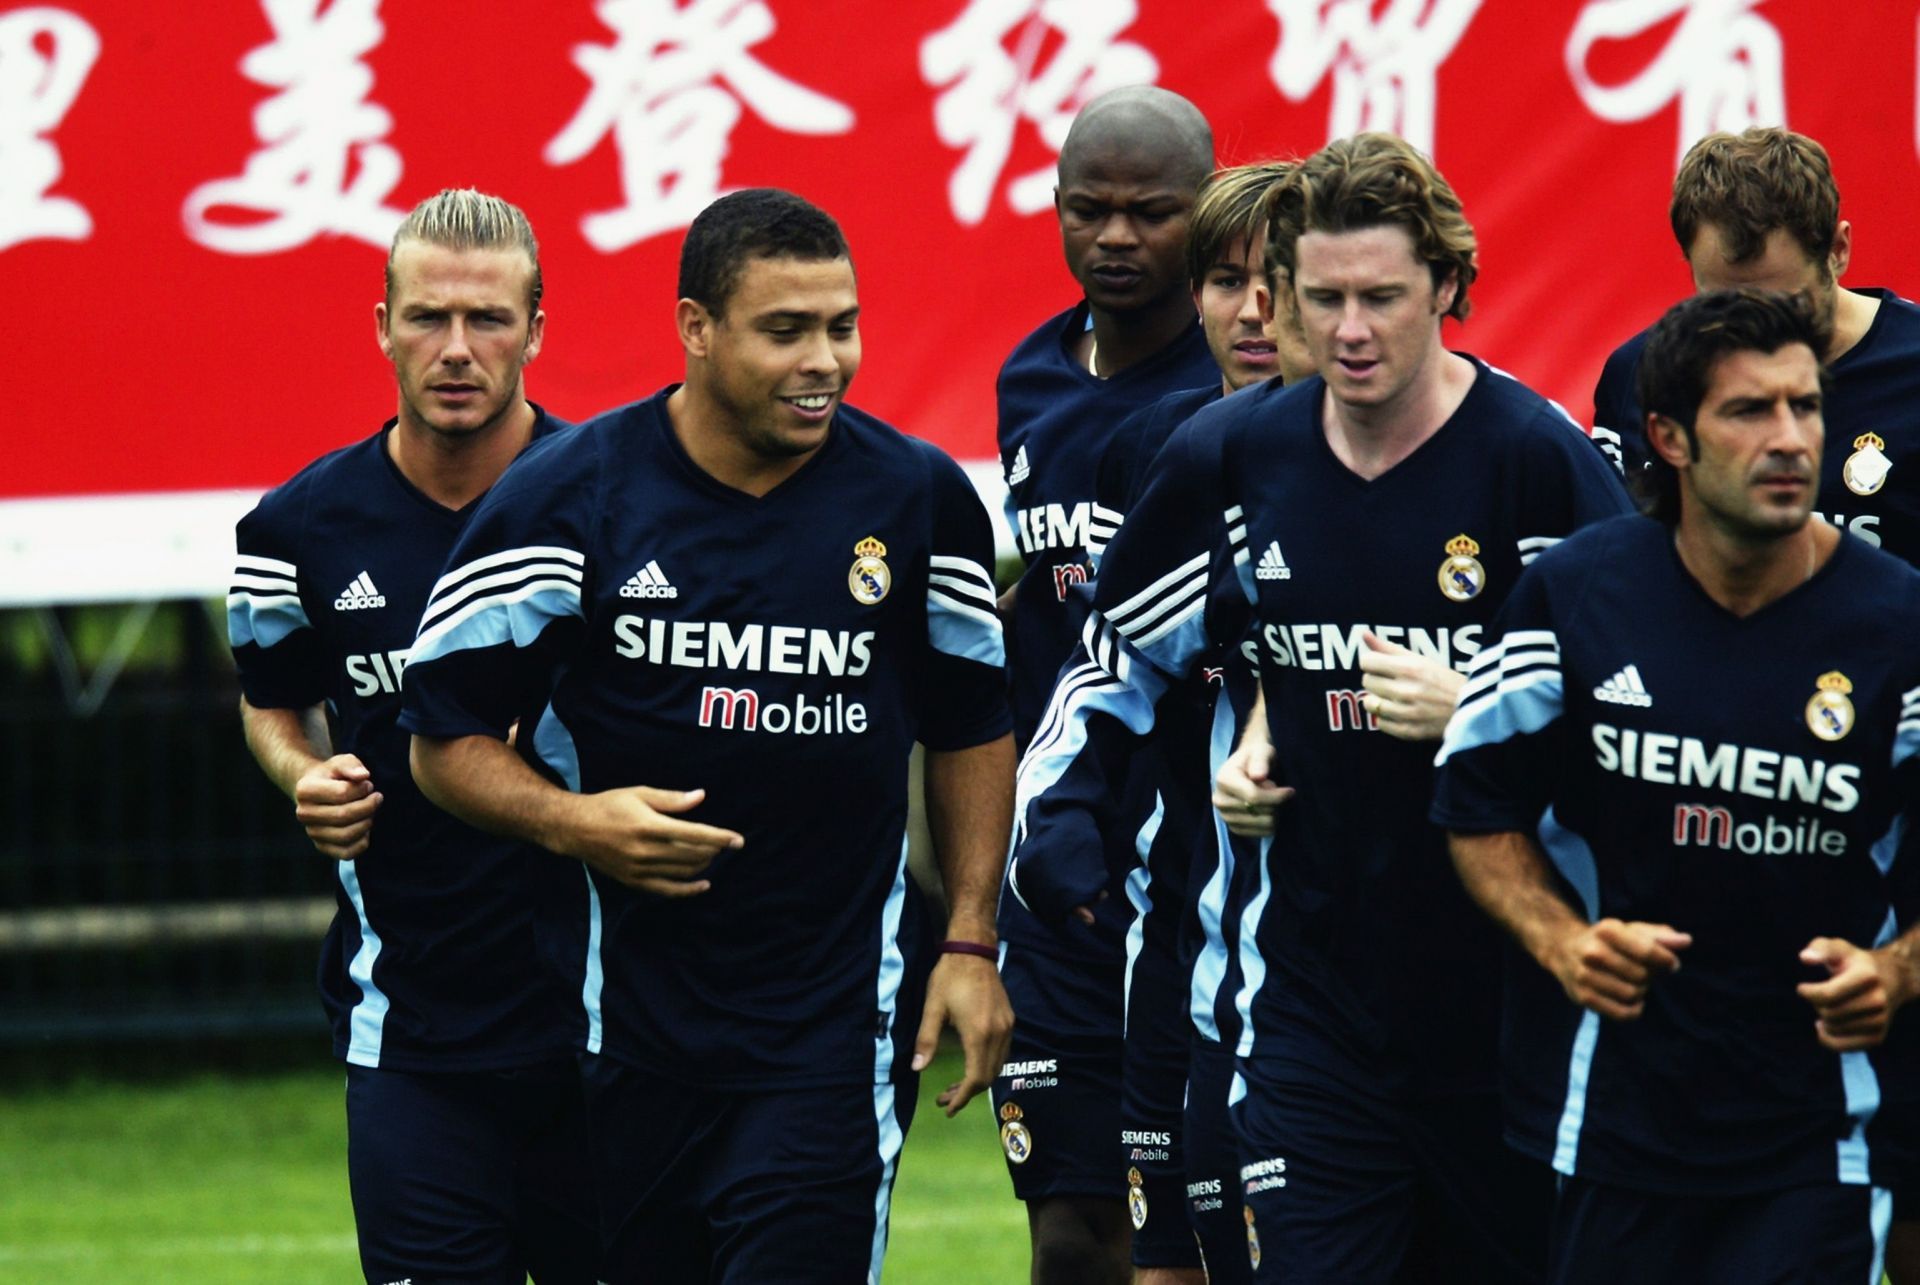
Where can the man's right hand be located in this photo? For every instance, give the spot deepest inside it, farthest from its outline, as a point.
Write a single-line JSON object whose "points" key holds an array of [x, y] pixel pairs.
{"points": [[1244, 793], [1608, 966], [631, 835], [335, 800]]}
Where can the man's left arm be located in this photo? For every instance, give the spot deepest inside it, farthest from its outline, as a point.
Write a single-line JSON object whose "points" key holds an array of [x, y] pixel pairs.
{"points": [[1855, 1006], [969, 812]]}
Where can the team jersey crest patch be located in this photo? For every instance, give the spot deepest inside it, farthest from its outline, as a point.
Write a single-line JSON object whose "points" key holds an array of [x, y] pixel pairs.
{"points": [[1866, 469], [1013, 1134], [1253, 1239], [869, 579], [1461, 575], [1830, 709], [1136, 1198]]}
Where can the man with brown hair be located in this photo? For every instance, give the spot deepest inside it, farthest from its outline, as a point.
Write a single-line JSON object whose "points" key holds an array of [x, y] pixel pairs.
{"points": [[1761, 209], [1372, 516]]}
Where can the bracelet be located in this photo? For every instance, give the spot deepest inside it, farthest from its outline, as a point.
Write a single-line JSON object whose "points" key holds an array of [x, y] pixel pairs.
{"points": [[951, 947]]}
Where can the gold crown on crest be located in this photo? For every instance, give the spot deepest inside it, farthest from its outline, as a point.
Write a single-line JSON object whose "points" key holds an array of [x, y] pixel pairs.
{"points": [[869, 548], [1463, 546], [1010, 1111], [1834, 681], [1869, 440]]}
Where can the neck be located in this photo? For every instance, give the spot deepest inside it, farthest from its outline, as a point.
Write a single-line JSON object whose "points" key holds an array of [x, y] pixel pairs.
{"points": [[1743, 573], [453, 469], [1127, 339], [1372, 439], [1853, 315], [700, 426]]}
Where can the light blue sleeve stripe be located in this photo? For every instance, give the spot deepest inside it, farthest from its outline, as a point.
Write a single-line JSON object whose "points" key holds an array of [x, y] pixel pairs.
{"points": [[1210, 963], [1906, 740], [367, 1023], [266, 620], [1140, 897], [555, 746], [518, 617], [1253, 965], [1172, 650], [967, 632], [1572, 856], [1516, 707]]}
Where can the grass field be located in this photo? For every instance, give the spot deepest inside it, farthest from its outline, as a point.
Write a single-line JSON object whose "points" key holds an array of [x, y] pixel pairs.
{"points": [[217, 1180]]}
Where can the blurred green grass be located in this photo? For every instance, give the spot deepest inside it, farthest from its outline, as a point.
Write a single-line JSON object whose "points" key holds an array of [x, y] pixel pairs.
{"points": [[218, 1180]]}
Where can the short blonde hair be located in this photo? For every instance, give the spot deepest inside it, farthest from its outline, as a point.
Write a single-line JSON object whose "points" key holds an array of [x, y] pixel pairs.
{"points": [[464, 219]]}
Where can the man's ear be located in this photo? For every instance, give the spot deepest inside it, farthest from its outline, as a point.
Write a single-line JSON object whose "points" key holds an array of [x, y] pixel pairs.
{"points": [[695, 325], [1669, 440]]}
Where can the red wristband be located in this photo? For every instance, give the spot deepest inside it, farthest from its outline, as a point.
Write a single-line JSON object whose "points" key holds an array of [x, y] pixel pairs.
{"points": [[951, 947]]}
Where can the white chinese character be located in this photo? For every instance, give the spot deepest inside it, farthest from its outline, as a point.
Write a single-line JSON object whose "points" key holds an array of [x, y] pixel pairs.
{"points": [[36, 89], [657, 91], [990, 89], [1384, 68], [1723, 62], [321, 167]]}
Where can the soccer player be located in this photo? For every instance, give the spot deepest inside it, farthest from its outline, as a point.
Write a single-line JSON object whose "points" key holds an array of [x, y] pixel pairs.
{"points": [[1681, 775], [466, 1149], [1761, 209], [1129, 171], [1383, 507], [754, 598]]}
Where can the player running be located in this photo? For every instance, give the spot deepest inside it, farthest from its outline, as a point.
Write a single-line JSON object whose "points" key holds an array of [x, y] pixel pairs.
{"points": [[755, 598], [466, 1149], [1680, 775]]}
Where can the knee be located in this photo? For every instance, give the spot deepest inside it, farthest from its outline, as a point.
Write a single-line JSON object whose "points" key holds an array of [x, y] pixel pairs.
{"points": [[1073, 1244]]}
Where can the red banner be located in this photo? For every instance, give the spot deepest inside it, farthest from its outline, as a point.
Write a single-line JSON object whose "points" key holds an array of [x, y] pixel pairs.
{"points": [[194, 198]]}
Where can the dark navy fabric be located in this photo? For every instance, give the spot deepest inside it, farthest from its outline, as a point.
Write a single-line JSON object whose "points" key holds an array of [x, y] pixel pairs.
{"points": [[1876, 389], [1213, 1167], [472, 1177], [1346, 1186], [1816, 1235], [1153, 1094], [781, 652], [1356, 896], [792, 1186], [1057, 1106], [431, 962], [1670, 758]]}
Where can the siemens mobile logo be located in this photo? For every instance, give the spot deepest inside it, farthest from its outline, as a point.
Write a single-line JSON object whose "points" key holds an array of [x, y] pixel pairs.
{"points": [[377, 671], [1686, 761], [1053, 526], [740, 708], [774, 649], [1324, 647]]}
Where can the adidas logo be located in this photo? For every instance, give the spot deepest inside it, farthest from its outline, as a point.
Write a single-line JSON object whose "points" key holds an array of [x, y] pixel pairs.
{"points": [[1272, 566], [1018, 473], [360, 595], [1624, 688], [648, 582]]}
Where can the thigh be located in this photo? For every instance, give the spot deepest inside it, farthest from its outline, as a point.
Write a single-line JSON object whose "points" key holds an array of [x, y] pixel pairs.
{"points": [[1152, 1154], [1481, 1209], [1325, 1177], [557, 1222], [1213, 1167], [802, 1184], [1059, 1116], [1805, 1236], [430, 1166], [647, 1140], [1603, 1235]]}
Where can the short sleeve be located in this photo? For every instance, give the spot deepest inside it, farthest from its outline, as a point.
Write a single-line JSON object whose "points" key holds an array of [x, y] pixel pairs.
{"points": [[276, 648], [963, 688]]}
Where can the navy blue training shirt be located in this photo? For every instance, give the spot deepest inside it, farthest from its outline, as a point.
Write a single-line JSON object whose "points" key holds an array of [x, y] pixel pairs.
{"points": [[1747, 780], [782, 652], [430, 963]]}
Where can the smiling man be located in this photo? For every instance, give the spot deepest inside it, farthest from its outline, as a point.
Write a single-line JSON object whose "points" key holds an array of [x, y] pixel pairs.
{"points": [[465, 1136], [746, 590], [1680, 776]]}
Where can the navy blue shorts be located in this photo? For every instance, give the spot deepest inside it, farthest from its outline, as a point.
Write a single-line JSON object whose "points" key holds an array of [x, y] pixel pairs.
{"points": [[1345, 1188], [782, 1187], [1153, 1099], [1213, 1167], [1059, 1113], [471, 1177], [1824, 1235]]}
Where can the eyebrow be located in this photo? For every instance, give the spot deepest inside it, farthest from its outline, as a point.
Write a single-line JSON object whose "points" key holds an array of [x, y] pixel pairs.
{"points": [[802, 316]]}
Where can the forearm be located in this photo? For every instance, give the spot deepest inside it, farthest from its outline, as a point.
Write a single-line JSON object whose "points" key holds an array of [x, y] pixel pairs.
{"points": [[1508, 876], [286, 743], [486, 783], [970, 814]]}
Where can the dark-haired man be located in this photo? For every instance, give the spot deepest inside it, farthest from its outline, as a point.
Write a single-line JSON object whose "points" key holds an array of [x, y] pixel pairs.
{"points": [[466, 1145], [1761, 209], [1129, 170], [748, 592], [1681, 774], [1367, 521]]}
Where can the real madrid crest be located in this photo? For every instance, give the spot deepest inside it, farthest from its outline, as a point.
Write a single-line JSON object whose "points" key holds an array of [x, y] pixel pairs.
{"points": [[1866, 469], [1461, 575], [869, 578], [1253, 1239], [1013, 1134], [1829, 710], [1136, 1198]]}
